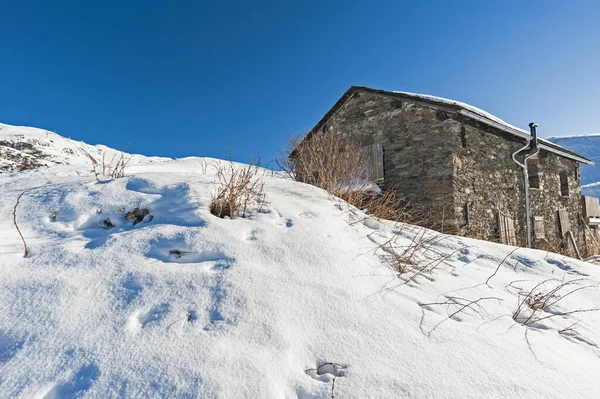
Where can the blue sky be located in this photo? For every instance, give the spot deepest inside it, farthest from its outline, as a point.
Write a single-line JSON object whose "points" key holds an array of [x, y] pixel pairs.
{"points": [[198, 78]]}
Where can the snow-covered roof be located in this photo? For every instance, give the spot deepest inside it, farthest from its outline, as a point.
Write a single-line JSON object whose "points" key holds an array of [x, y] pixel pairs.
{"points": [[464, 109]]}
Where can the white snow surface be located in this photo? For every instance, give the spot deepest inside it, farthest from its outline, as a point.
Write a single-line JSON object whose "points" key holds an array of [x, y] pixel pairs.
{"points": [[96, 313]]}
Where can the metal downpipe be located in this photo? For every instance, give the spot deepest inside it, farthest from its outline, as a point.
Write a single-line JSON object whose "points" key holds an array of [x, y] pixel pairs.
{"points": [[528, 146]]}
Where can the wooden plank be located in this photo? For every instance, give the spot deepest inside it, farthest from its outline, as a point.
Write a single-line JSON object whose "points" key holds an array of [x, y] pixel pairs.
{"points": [[376, 156], [591, 206], [593, 233], [538, 227], [565, 223], [574, 244], [507, 229], [512, 236]]}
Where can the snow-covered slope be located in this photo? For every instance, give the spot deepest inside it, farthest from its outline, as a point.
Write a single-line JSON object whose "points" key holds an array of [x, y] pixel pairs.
{"points": [[186, 304], [23, 148], [589, 147]]}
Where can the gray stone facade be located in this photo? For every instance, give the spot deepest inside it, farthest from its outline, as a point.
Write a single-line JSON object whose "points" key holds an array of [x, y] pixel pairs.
{"points": [[460, 169]]}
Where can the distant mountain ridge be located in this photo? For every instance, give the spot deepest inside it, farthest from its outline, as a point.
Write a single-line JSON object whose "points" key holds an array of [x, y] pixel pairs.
{"points": [[23, 148], [589, 146]]}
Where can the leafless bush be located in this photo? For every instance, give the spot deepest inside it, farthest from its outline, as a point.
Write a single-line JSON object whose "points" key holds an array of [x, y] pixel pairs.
{"points": [[17, 226], [237, 189], [204, 164], [538, 303], [461, 304], [416, 257], [114, 169], [456, 305], [557, 245], [336, 164], [344, 168]]}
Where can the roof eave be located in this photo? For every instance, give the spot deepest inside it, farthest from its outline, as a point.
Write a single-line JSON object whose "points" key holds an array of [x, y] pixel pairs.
{"points": [[525, 136]]}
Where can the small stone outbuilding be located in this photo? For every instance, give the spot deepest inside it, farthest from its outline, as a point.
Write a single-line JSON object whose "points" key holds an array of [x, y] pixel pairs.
{"points": [[456, 162]]}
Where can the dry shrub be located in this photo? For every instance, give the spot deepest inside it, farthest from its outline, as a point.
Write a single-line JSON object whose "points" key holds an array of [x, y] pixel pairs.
{"points": [[114, 169], [237, 189], [538, 303], [344, 168], [417, 256], [339, 165]]}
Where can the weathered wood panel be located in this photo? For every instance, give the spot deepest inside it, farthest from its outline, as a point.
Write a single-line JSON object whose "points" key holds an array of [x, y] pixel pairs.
{"points": [[376, 155], [565, 223], [538, 227], [591, 206], [507, 229]]}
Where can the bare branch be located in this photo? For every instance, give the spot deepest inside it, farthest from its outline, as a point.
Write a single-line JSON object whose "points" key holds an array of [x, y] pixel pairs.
{"points": [[17, 226]]}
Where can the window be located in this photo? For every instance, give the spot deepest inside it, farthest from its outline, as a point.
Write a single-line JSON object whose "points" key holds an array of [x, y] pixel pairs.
{"points": [[463, 137], [564, 183], [534, 175]]}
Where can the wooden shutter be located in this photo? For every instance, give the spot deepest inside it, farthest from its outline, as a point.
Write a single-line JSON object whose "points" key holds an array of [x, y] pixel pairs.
{"points": [[538, 227], [507, 229], [376, 156], [591, 207], [565, 223]]}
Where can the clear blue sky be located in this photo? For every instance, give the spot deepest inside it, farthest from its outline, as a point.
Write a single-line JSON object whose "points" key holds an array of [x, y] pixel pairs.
{"points": [[182, 78]]}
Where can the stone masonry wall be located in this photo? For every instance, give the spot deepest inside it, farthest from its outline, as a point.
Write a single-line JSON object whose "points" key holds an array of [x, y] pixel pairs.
{"points": [[457, 169], [488, 180], [417, 148]]}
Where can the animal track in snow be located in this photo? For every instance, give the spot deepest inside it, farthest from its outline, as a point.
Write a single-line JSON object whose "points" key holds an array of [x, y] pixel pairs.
{"points": [[307, 215], [129, 289], [10, 345], [184, 249], [140, 319], [77, 385], [371, 223], [328, 372]]}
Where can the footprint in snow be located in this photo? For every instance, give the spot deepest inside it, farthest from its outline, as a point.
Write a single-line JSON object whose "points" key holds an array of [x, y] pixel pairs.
{"points": [[140, 319], [326, 371], [10, 345], [76, 386], [281, 221], [307, 215], [371, 224]]}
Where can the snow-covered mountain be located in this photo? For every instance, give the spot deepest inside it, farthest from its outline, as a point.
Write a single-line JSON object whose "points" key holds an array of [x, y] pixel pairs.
{"points": [[589, 147], [24, 148], [301, 298]]}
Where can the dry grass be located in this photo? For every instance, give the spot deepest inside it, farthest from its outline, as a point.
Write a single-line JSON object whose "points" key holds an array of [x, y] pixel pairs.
{"points": [[114, 169], [341, 166], [237, 189], [417, 256], [539, 302]]}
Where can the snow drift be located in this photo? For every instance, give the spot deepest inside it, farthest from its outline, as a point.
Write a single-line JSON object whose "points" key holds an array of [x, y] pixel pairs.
{"points": [[285, 303]]}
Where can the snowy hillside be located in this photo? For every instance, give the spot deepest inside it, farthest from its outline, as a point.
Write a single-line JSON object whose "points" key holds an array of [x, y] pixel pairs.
{"points": [[23, 148], [300, 298], [589, 147]]}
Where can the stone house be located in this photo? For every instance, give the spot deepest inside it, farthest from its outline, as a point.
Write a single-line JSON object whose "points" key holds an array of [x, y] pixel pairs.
{"points": [[456, 162]]}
